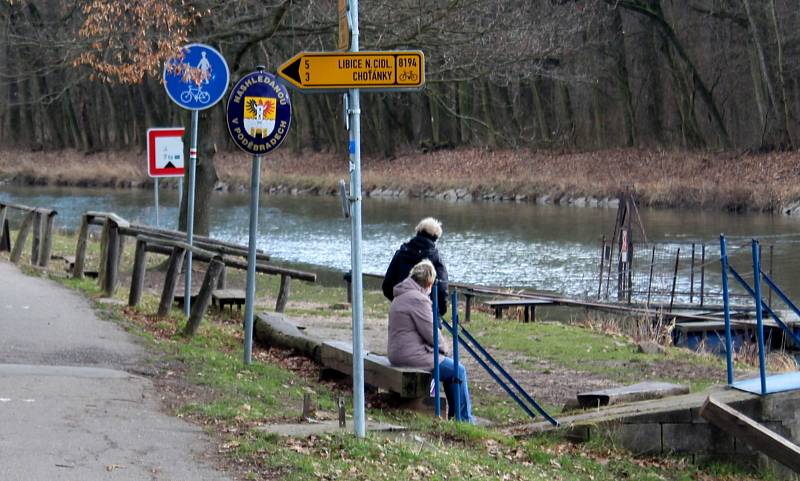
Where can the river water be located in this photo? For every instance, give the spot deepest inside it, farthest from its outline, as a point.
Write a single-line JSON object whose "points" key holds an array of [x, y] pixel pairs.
{"points": [[554, 248]]}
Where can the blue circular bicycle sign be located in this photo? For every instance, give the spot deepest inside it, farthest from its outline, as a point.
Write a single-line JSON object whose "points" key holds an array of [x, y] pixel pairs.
{"points": [[197, 78], [259, 113]]}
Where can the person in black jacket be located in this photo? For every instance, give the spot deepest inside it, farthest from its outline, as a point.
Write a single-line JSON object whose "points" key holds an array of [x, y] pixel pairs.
{"points": [[421, 246]]}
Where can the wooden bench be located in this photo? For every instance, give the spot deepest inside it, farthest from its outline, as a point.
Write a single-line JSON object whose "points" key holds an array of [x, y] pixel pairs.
{"points": [[180, 295], [528, 304], [408, 382], [228, 297]]}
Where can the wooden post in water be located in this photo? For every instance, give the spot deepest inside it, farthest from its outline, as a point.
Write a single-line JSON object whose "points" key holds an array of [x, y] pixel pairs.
{"points": [[47, 239], [137, 277], [22, 236], [80, 248], [171, 280], [771, 252], [691, 277], [602, 260], [283, 293], [37, 237], [650, 278], [200, 305], [702, 273], [674, 279]]}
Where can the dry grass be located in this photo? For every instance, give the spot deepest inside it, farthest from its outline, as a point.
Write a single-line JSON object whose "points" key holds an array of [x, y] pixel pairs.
{"points": [[662, 179], [658, 330]]}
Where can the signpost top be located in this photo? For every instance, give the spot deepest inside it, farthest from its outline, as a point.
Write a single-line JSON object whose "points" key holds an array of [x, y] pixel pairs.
{"points": [[339, 71], [198, 79]]}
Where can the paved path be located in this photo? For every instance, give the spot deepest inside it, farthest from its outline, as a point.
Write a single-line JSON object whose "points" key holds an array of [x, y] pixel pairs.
{"points": [[70, 409]]}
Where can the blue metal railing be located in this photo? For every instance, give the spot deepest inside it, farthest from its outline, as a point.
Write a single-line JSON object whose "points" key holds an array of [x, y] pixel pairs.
{"points": [[437, 397], [461, 336], [761, 306]]}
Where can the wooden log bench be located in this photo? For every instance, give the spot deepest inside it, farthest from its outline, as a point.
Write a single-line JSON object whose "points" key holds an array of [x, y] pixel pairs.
{"points": [[180, 295], [228, 297], [407, 382], [528, 304]]}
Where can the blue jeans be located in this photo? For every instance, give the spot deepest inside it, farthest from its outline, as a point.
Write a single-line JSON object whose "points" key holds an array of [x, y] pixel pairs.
{"points": [[447, 376]]}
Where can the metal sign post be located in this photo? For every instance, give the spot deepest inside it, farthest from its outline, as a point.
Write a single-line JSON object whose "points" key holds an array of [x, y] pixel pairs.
{"points": [[187, 275], [359, 423], [155, 191], [196, 80], [259, 116], [327, 72]]}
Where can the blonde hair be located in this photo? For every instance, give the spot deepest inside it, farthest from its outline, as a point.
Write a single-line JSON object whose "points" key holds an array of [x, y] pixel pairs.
{"points": [[430, 226], [423, 273]]}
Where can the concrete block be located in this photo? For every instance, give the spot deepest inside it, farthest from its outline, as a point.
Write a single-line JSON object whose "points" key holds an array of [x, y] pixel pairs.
{"points": [[782, 406], [637, 438], [578, 433], [678, 416], [696, 438]]}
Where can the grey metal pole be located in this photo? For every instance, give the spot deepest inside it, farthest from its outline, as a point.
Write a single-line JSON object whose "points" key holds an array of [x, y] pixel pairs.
{"points": [[180, 195], [187, 289], [355, 197], [255, 182], [155, 189]]}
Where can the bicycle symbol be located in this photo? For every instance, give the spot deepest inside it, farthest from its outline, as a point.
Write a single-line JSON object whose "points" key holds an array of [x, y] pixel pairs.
{"points": [[195, 93], [408, 76]]}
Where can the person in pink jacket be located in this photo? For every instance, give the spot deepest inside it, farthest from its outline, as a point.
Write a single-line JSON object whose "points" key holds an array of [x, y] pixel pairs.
{"points": [[411, 335]]}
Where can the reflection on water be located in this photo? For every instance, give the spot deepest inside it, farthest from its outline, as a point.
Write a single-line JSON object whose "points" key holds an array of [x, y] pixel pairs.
{"points": [[503, 244]]}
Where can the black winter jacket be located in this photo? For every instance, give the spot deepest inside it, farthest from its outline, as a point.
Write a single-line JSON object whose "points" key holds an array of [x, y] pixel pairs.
{"points": [[420, 247]]}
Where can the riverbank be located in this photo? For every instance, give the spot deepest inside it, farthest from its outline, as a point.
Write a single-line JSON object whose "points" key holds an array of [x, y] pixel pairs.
{"points": [[722, 181]]}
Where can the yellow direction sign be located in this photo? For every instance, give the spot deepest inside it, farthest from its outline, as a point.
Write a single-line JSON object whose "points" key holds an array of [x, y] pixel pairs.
{"points": [[389, 70]]}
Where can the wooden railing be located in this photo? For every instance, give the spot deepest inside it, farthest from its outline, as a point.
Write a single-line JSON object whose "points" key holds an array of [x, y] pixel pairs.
{"points": [[38, 220]]}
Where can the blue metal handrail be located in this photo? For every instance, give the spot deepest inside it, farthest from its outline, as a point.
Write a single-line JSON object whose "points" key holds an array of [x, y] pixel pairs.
{"points": [[467, 337], [456, 377], [761, 306], [437, 397], [762, 360]]}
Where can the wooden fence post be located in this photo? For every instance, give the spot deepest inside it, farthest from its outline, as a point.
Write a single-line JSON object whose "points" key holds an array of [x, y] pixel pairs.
{"points": [[113, 254], [80, 248], [5, 237], [171, 280], [200, 305], [22, 236], [101, 268], [47, 239], [137, 277], [5, 242], [37, 237], [222, 281], [283, 293], [468, 306]]}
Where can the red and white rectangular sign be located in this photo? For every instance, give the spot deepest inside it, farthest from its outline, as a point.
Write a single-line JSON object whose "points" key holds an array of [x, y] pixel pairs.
{"points": [[165, 152]]}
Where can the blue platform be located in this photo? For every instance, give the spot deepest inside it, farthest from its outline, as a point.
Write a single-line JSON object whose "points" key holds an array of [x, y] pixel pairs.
{"points": [[776, 383]]}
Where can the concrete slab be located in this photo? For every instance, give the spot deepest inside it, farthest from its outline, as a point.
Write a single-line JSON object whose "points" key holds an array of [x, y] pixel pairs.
{"points": [[636, 392], [776, 383], [301, 430]]}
